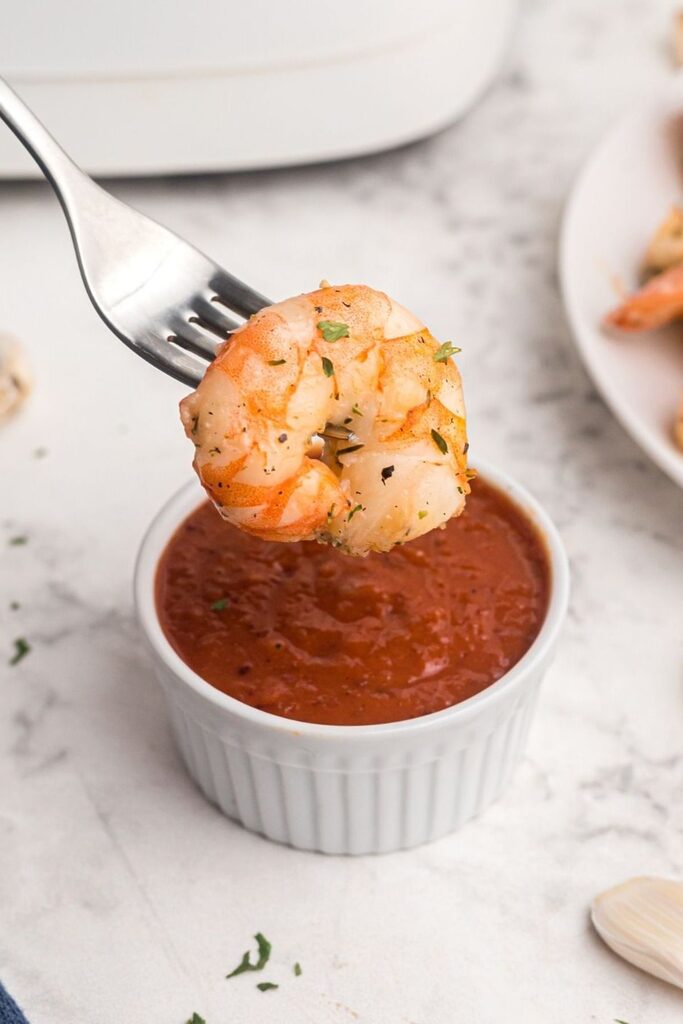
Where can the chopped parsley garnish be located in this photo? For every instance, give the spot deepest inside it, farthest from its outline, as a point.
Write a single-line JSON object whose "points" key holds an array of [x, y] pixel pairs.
{"points": [[220, 605], [266, 986], [356, 411], [351, 448], [445, 351], [196, 1019], [421, 514], [328, 368], [330, 514], [21, 649], [332, 331], [439, 441], [356, 508], [466, 448], [297, 969], [349, 419], [18, 541], [386, 473], [245, 964], [617, 1021], [276, 362]]}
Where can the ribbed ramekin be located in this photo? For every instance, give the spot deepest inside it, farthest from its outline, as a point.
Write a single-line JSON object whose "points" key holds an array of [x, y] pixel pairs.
{"points": [[350, 789]]}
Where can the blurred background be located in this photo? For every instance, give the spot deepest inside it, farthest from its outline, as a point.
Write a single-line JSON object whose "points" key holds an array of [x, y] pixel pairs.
{"points": [[158, 88]]}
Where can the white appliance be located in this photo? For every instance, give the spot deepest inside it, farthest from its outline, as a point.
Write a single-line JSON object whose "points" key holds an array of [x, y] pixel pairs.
{"points": [[172, 86]]}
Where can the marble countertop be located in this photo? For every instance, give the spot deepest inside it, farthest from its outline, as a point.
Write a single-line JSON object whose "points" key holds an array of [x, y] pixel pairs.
{"points": [[124, 896]]}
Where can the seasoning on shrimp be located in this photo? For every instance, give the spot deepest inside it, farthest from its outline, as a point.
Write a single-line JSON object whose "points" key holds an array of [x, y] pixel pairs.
{"points": [[339, 355]]}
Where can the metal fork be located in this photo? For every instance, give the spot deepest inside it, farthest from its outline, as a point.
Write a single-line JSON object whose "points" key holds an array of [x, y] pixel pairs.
{"points": [[156, 292]]}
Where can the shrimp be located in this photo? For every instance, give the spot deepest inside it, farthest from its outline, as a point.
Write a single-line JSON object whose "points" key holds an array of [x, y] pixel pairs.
{"points": [[666, 245], [655, 304], [345, 356], [678, 426]]}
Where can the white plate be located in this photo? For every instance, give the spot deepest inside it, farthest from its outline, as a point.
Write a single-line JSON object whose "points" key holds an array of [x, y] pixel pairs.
{"points": [[622, 194]]}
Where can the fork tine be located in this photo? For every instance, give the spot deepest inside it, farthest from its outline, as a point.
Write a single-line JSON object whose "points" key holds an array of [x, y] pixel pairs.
{"points": [[236, 295], [213, 315], [192, 335], [165, 356]]}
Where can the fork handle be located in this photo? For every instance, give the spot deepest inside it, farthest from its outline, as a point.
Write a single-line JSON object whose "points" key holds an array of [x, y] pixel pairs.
{"points": [[72, 186]]}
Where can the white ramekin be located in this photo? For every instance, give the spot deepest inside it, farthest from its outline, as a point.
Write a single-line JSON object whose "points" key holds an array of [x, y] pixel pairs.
{"points": [[350, 789]]}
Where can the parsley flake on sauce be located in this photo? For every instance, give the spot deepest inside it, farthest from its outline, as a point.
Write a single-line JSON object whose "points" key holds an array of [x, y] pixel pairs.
{"points": [[439, 441], [220, 605], [445, 351], [21, 649], [332, 331], [386, 473], [328, 367], [196, 1019], [16, 542], [356, 508], [421, 514], [297, 969], [245, 964], [266, 986]]}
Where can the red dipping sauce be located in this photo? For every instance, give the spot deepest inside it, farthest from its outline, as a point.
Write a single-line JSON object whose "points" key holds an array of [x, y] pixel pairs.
{"points": [[303, 631]]}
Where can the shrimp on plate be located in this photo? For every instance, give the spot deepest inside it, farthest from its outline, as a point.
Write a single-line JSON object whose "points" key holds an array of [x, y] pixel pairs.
{"points": [[339, 357], [657, 303], [660, 300]]}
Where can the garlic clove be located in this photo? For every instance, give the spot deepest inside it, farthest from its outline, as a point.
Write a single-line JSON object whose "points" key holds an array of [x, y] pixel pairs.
{"points": [[642, 921], [15, 376]]}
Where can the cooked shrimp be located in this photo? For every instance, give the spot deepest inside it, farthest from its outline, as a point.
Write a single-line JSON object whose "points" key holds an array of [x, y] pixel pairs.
{"points": [[678, 426], [347, 356], [657, 303], [666, 246]]}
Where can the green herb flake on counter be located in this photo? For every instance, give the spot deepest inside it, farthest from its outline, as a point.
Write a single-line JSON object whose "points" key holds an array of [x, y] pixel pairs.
{"points": [[245, 964]]}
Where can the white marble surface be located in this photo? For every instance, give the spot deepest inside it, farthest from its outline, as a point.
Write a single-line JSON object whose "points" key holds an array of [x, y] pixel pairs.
{"points": [[123, 895]]}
